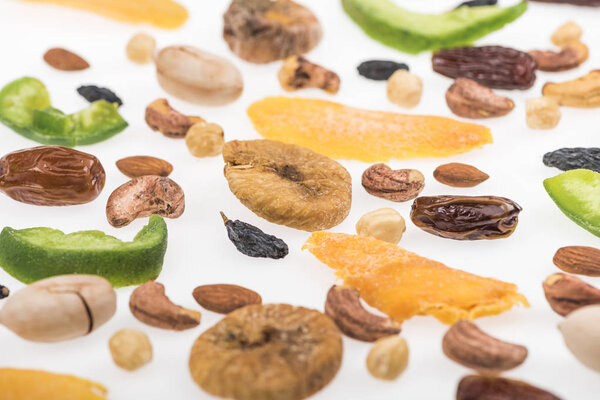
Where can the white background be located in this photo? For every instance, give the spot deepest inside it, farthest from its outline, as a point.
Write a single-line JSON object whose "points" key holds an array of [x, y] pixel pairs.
{"points": [[199, 251]]}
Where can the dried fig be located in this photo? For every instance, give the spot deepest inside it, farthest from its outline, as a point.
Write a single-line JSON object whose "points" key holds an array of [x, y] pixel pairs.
{"points": [[267, 352], [288, 184]]}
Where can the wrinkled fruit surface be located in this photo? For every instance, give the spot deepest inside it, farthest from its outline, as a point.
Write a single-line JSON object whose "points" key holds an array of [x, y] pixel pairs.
{"points": [[253, 242], [475, 387], [574, 158]]}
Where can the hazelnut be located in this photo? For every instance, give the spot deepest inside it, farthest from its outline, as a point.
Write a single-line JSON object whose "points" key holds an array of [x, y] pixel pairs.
{"points": [[205, 139], [140, 48], [567, 33], [130, 349], [404, 89], [542, 113], [388, 358], [384, 224]]}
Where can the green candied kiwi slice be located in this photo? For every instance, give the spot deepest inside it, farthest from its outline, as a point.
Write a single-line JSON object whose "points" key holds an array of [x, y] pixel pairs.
{"points": [[37, 253], [414, 32], [577, 194], [98, 122]]}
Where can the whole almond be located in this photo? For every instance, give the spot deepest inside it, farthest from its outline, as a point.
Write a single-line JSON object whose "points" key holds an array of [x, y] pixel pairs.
{"points": [[65, 60], [144, 165], [566, 293], [580, 260], [459, 175], [224, 298]]}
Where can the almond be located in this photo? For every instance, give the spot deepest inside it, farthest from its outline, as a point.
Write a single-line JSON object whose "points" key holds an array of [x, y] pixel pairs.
{"points": [[579, 260], [459, 175], [224, 298], [65, 60], [144, 165]]}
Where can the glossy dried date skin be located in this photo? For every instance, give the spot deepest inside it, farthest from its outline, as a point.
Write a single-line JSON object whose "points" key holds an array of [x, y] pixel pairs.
{"points": [[567, 158], [476, 387], [51, 176], [379, 70], [496, 67], [466, 217]]}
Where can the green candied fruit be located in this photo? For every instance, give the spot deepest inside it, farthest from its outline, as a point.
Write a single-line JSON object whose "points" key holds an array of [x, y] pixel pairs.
{"points": [[414, 32], [52, 121], [37, 253], [577, 194], [98, 122]]}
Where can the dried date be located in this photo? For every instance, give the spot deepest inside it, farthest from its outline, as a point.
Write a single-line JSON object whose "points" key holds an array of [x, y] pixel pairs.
{"points": [[496, 67], [380, 70], [466, 217], [474, 387], [567, 158], [253, 242]]}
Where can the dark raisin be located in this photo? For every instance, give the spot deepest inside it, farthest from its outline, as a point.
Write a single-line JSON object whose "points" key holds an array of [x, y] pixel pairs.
{"points": [[379, 70], [478, 3], [94, 93], [253, 242], [574, 158], [4, 292]]}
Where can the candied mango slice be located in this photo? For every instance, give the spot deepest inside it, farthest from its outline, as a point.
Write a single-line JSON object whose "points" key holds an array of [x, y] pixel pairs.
{"points": [[162, 13], [21, 384], [403, 284], [339, 131]]}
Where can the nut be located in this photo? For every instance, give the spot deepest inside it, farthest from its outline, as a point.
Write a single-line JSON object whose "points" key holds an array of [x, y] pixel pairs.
{"points": [[160, 116], [467, 98], [223, 298], [579, 260], [140, 48], [581, 332], [477, 387], [388, 358], [4, 292], [567, 33], [395, 185], [469, 346], [142, 197], [404, 89], [542, 113], [130, 349], [581, 92], [384, 224], [144, 165], [299, 73], [583, 52], [566, 293], [205, 140], [344, 308], [59, 308], [65, 60], [459, 175], [149, 304], [547, 60]]}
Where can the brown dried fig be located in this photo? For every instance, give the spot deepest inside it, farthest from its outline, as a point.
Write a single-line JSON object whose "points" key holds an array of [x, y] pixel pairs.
{"points": [[288, 184], [477, 387], [299, 73], [144, 165], [223, 298], [279, 352], [566, 293], [160, 116], [467, 98], [142, 197], [582, 92], [547, 60], [395, 185]]}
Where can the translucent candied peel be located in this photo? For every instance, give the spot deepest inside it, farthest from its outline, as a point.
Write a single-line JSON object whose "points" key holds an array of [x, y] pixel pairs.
{"points": [[339, 131], [403, 284]]}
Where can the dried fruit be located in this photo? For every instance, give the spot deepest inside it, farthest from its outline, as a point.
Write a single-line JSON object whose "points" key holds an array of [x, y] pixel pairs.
{"points": [[261, 31], [469, 346], [160, 116], [339, 131], [496, 67], [388, 358], [478, 3], [253, 242], [51, 176], [542, 113], [59, 308], [404, 89], [574, 158], [467, 98], [379, 70], [581, 92], [403, 284], [566, 293], [205, 140], [223, 298], [19, 384], [566, 34], [150, 305], [94, 93], [197, 76], [65, 60], [144, 196], [135, 166], [581, 332], [130, 349], [395, 185], [466, 217], [37, 253], [579, 260], [384, 224], [344, 308], [140, 48], [4, 292], [590, 3], [477, 387], [280, 352], [548, 60], [459, 175], [299, 73], [288, 184]]}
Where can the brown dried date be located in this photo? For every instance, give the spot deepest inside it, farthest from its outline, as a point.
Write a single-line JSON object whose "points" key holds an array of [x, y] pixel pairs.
{"points": [[475, 387], [51, 176], [496, 67], [466, 217]]}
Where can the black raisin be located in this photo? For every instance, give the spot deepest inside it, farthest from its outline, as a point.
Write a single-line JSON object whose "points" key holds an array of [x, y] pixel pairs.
{"points": [[379, 70], [574, 158], [253, 242], [478, 3], [93, 93]]}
